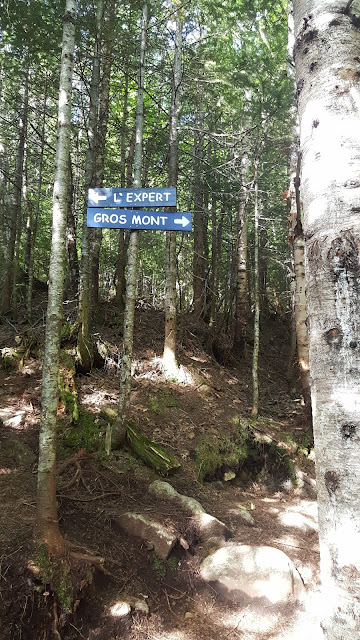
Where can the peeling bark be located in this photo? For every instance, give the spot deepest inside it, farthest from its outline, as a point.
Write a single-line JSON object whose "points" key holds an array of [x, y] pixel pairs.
{"points": [[327, 45]]}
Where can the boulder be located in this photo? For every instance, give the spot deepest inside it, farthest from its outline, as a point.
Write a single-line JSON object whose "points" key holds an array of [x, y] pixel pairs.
{"points": [[166, 490], [252, 573], [149, 530]]}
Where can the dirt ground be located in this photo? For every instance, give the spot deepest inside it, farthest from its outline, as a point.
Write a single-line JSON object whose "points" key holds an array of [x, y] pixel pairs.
{"points": [[207, 403]]}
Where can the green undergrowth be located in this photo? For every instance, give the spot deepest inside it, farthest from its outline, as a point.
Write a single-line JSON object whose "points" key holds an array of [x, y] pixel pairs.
{"points": [[212, 454], [244, 453], [88, 433], [161, 399], [162, 567]]}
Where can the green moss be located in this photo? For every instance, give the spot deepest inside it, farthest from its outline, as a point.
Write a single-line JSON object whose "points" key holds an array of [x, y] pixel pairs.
{"points": [[211, 454], [56, 575], [64, 589], [159, 401], [44, 563], [88, 433]]}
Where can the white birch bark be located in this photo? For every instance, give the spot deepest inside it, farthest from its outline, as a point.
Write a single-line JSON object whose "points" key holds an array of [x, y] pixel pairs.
{"points": [[134, 241], [46, 515], [327, 45], [297, 243]]}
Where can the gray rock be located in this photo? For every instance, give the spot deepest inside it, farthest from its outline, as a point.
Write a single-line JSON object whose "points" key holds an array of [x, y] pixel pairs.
{"points": [[245, 515], [149, 530], [165, 489], [243, 571], [207, 526]]}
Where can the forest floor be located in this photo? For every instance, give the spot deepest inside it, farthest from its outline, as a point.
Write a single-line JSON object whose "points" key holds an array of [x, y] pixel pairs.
{"points": [[196, 419]]}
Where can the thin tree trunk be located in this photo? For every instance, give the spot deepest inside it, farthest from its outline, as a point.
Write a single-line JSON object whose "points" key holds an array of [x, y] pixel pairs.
{"points": [[199, 261], [103, 117], [73, 274], [131, 279], [255, 363], [327, 45], [47, 526], [15, 218], [169, 355], [297, 242], [241, 300], [34, 221], [85, 346], [3, 210]]}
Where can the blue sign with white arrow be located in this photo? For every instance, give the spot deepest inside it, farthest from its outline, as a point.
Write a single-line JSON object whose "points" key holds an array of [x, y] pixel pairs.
{"points": [[132, 197], [148, 220]]}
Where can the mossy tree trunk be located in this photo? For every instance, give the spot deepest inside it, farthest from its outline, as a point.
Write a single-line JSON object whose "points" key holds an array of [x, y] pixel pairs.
{"points": [[47, 527]]}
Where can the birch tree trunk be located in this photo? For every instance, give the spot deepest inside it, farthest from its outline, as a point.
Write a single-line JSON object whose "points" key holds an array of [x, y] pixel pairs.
{"points": [[169, 355], [297, 242], [47, 527], [119, 428], [327, 45]]}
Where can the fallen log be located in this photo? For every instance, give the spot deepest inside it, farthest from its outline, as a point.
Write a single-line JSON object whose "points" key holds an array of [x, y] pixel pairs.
{"points": [[151, 453]]}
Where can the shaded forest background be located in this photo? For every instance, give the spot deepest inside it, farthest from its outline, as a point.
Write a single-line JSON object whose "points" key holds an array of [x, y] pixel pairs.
{"points": [[236, 97], [218, 122]]}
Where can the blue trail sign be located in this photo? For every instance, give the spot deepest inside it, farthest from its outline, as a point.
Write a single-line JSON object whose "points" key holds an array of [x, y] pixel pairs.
{"points": [[127, 219], [132, 197]]}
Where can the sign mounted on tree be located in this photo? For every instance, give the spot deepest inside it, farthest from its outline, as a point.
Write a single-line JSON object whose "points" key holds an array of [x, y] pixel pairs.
{"points": [[147, 220], [132, 197]]}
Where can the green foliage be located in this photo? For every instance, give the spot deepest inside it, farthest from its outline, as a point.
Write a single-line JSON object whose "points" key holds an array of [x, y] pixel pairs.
{"points": [[161, 567]]}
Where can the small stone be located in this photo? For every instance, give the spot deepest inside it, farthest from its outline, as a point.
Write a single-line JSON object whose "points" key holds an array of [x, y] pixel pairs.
{"points": [[189, 615], [246, 516], [229, 475], [120, 609], [191, 435], [140, 606]]}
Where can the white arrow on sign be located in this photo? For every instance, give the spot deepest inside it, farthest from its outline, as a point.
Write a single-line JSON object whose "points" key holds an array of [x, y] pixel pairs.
{"points": [[183, 221], [96, 197]]}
